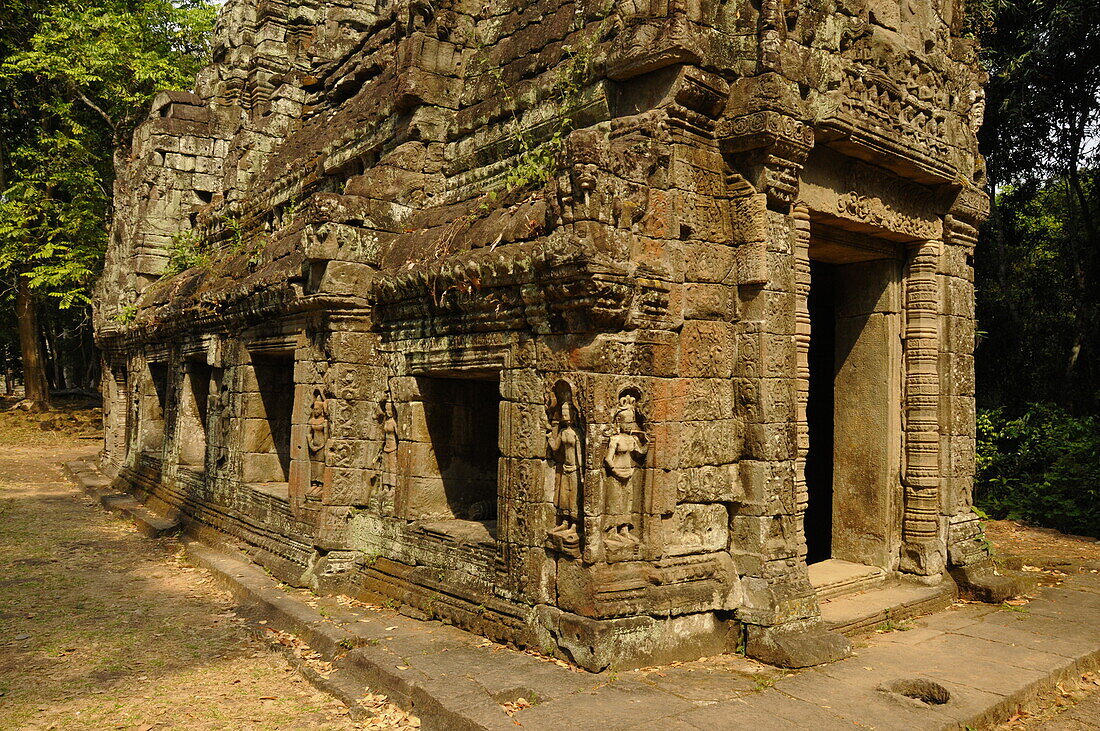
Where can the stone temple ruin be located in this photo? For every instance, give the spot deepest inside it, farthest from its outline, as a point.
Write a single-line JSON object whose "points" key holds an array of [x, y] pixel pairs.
{"points": [[599, 327]]}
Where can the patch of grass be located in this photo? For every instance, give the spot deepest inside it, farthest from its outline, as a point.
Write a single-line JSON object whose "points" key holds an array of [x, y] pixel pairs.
{"points": [[763, 683], [90, 662], [890, 625]]}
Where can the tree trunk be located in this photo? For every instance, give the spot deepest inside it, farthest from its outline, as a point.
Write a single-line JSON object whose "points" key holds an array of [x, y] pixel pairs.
{"points": [[37, 393]]}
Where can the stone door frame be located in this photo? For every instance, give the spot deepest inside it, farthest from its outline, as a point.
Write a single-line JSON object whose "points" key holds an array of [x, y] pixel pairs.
{"points": [[922, 549]]}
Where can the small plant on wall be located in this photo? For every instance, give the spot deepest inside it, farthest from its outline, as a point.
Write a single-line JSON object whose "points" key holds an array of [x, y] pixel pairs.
{"points": [[187, 251], [537, 160]]}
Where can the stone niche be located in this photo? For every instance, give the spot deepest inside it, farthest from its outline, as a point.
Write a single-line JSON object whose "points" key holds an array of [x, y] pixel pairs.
{"points": [[451, 453], [152, 405], [267, 403], [626, 334], [198, 377]]}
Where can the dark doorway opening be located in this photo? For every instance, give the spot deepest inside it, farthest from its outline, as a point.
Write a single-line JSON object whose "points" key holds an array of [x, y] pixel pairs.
{"points": [[822, 304]]}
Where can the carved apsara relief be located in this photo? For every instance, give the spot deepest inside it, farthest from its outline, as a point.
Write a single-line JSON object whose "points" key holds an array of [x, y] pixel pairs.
{"points": [[317, 433], [627, 448], [566, 450], [384, 481]]}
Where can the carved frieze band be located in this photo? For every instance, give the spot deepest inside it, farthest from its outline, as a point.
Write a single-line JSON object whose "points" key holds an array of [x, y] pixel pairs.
{"points": [[886, 201]]}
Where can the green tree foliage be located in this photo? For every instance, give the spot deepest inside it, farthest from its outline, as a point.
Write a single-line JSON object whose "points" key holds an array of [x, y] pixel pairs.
{"points": [[1039, 269], [1038, 265], [75, 78], [1039, 340], [1041, 467]]}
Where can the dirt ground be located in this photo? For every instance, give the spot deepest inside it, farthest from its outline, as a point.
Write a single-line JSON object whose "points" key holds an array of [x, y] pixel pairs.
{"points": [[101, 628]]}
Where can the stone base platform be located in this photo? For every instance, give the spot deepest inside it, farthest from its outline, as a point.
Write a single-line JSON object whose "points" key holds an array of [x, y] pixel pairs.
{"points": [[837, 577], [967, 666], [86, 474]]}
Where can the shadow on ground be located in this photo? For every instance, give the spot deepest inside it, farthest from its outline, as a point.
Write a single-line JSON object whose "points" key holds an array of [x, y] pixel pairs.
{"points": [[102, 628]]}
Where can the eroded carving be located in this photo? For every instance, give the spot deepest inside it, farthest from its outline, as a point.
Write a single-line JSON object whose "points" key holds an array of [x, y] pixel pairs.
{"points": [[386, 468], [317, 432], [566, 450], [627, 448]]}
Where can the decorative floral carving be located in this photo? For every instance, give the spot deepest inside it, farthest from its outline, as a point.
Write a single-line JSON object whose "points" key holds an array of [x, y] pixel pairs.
{"points": [[886, 201]]}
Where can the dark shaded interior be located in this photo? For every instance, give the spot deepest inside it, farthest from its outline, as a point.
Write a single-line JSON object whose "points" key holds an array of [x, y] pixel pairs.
{"points": [[158, 373], [275, 378], [462, 416], [197, 395], [819, 411], [200, 391]]}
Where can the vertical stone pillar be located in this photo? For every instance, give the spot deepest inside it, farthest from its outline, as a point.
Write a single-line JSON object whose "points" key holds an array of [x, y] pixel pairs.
{"points": [[922, 552], [958, 443], [801, 217]]}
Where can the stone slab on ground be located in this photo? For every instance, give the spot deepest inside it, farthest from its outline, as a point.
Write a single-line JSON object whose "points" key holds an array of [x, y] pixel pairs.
{"points": [[456, 680], [85, 473], [893, 602], [987, 660]]}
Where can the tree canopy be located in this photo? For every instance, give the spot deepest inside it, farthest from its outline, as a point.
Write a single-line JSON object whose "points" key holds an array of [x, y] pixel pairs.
{"points": [[1038, 272], [75, 78]]}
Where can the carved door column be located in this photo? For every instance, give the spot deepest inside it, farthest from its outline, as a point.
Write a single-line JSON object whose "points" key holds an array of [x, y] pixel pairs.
{"points": [[801, 216], [922, 552]]}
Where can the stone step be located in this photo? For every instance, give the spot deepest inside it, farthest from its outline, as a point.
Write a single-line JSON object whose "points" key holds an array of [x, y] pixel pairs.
{"points": [[87, 476], [151, 524], [118, 501], [895, 601], [836, 577]]}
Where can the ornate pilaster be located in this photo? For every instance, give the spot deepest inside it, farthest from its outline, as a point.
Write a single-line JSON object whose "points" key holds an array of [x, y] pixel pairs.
{"points": [[922, 552], [801, 217]]}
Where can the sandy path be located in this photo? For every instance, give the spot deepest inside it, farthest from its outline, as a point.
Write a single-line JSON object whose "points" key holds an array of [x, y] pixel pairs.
{"points": [[101, 628]]}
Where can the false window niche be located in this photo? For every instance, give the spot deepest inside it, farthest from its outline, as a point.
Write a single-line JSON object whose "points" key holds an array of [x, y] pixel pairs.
{"points": [[152, 406], [194, 406], [453, 451], [267, 399]]}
